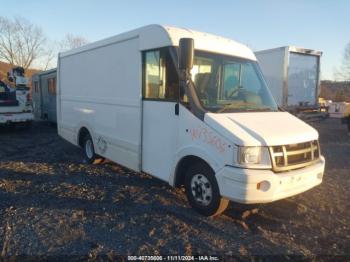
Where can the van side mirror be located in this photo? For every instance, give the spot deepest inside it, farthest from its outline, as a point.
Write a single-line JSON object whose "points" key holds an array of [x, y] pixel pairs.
{"points": [[186, 53]]}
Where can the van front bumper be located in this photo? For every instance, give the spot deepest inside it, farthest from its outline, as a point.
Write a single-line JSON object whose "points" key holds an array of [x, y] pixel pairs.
{"points": [[262, 186]]}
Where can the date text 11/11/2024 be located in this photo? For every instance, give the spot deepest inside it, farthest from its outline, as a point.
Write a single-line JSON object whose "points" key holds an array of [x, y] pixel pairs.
{"points": [[173, 258]]}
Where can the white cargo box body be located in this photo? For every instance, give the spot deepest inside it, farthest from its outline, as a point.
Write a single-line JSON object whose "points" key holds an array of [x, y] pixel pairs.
{"points": [[292, 74], [111, 102]]}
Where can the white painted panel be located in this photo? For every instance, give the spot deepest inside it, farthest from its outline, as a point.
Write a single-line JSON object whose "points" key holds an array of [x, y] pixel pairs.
{"points": [[262, 128], [200, 139], [101, 90], [159, 138]]}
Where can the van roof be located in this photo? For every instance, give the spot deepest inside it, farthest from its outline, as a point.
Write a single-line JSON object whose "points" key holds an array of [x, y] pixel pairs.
{"points": [[53, 70], [155, 36]]}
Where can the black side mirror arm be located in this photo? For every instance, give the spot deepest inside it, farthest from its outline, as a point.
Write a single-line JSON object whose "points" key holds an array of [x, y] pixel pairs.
{"points": [[187, 84]]}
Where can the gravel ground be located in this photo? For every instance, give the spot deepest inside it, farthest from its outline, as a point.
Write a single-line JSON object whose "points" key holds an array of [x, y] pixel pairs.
{"points": [[54, 204]]}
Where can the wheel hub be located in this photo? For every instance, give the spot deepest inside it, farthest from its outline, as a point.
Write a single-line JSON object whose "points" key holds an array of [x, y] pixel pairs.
{"points": [[201, 189], [89, 149]]}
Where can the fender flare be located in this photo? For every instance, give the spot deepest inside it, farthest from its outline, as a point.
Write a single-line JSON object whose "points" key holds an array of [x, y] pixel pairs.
{"points": [[192, 151], [83, 124]]}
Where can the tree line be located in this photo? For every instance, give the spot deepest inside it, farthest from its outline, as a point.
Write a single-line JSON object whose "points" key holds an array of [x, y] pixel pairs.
{"points": [[24, 44], [343, 73]]}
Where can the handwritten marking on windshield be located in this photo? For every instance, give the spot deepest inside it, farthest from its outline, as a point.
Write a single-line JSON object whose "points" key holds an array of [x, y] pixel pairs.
{"points": [[208, 137]]}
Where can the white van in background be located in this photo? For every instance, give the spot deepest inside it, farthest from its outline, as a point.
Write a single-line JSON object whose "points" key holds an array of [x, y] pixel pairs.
{"points": [[203, 118]]}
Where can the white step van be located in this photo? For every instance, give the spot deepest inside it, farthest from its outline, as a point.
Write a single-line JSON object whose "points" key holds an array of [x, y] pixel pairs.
{"points": [[189, 108]]}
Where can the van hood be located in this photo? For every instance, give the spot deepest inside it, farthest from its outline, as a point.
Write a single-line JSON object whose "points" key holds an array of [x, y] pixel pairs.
{"points": [[261, 128]]}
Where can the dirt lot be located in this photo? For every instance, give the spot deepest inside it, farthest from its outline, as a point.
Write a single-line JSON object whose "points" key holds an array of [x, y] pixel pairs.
{"points": [[52, 203]]}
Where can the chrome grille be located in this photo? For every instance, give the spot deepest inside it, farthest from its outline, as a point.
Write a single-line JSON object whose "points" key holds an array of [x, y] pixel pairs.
{"points": [[293, 156]]}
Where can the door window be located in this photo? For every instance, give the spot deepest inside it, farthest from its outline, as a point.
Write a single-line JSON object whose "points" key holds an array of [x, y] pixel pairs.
{"points": [[160, 76], [36, 86], [52, 86]]}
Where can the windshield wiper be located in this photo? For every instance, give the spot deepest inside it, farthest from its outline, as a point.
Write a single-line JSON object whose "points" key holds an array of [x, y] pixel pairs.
{"points": [[229, 106], [267, 109], [240, 109]]}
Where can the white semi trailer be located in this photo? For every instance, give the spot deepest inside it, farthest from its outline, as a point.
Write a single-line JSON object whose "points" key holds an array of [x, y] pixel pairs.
{"points": [[293, 76], [200, 117]]}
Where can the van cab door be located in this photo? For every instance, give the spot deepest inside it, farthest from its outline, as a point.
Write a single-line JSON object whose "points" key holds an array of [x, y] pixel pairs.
{"points": [[159, 116]]}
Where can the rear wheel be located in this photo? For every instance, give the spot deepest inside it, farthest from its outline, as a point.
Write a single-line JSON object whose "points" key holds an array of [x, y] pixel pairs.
{"points": [[89, 150], [203, 192]]}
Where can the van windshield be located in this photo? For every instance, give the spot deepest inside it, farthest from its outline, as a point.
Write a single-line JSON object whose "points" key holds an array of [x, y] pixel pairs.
{"points": [[229, 84]]}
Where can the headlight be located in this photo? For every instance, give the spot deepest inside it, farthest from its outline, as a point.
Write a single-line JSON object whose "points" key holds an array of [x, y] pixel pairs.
{"points": [[254, 157]]}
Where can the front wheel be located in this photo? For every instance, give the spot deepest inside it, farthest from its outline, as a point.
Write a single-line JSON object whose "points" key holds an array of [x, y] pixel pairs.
{"points": [[203, 192]]}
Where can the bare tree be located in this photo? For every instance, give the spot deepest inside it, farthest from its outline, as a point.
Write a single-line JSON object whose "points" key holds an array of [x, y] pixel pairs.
{"points": [[71, 41], [343, 73], [49, 58], [21, 42], [52, 48]]}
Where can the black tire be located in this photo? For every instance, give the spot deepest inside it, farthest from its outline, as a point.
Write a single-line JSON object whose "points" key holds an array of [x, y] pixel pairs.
{"points": [[89, 150], [204, 179]]}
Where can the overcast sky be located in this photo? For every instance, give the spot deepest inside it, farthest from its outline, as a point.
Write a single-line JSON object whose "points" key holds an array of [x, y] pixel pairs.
{"points": [[260, 24]]}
